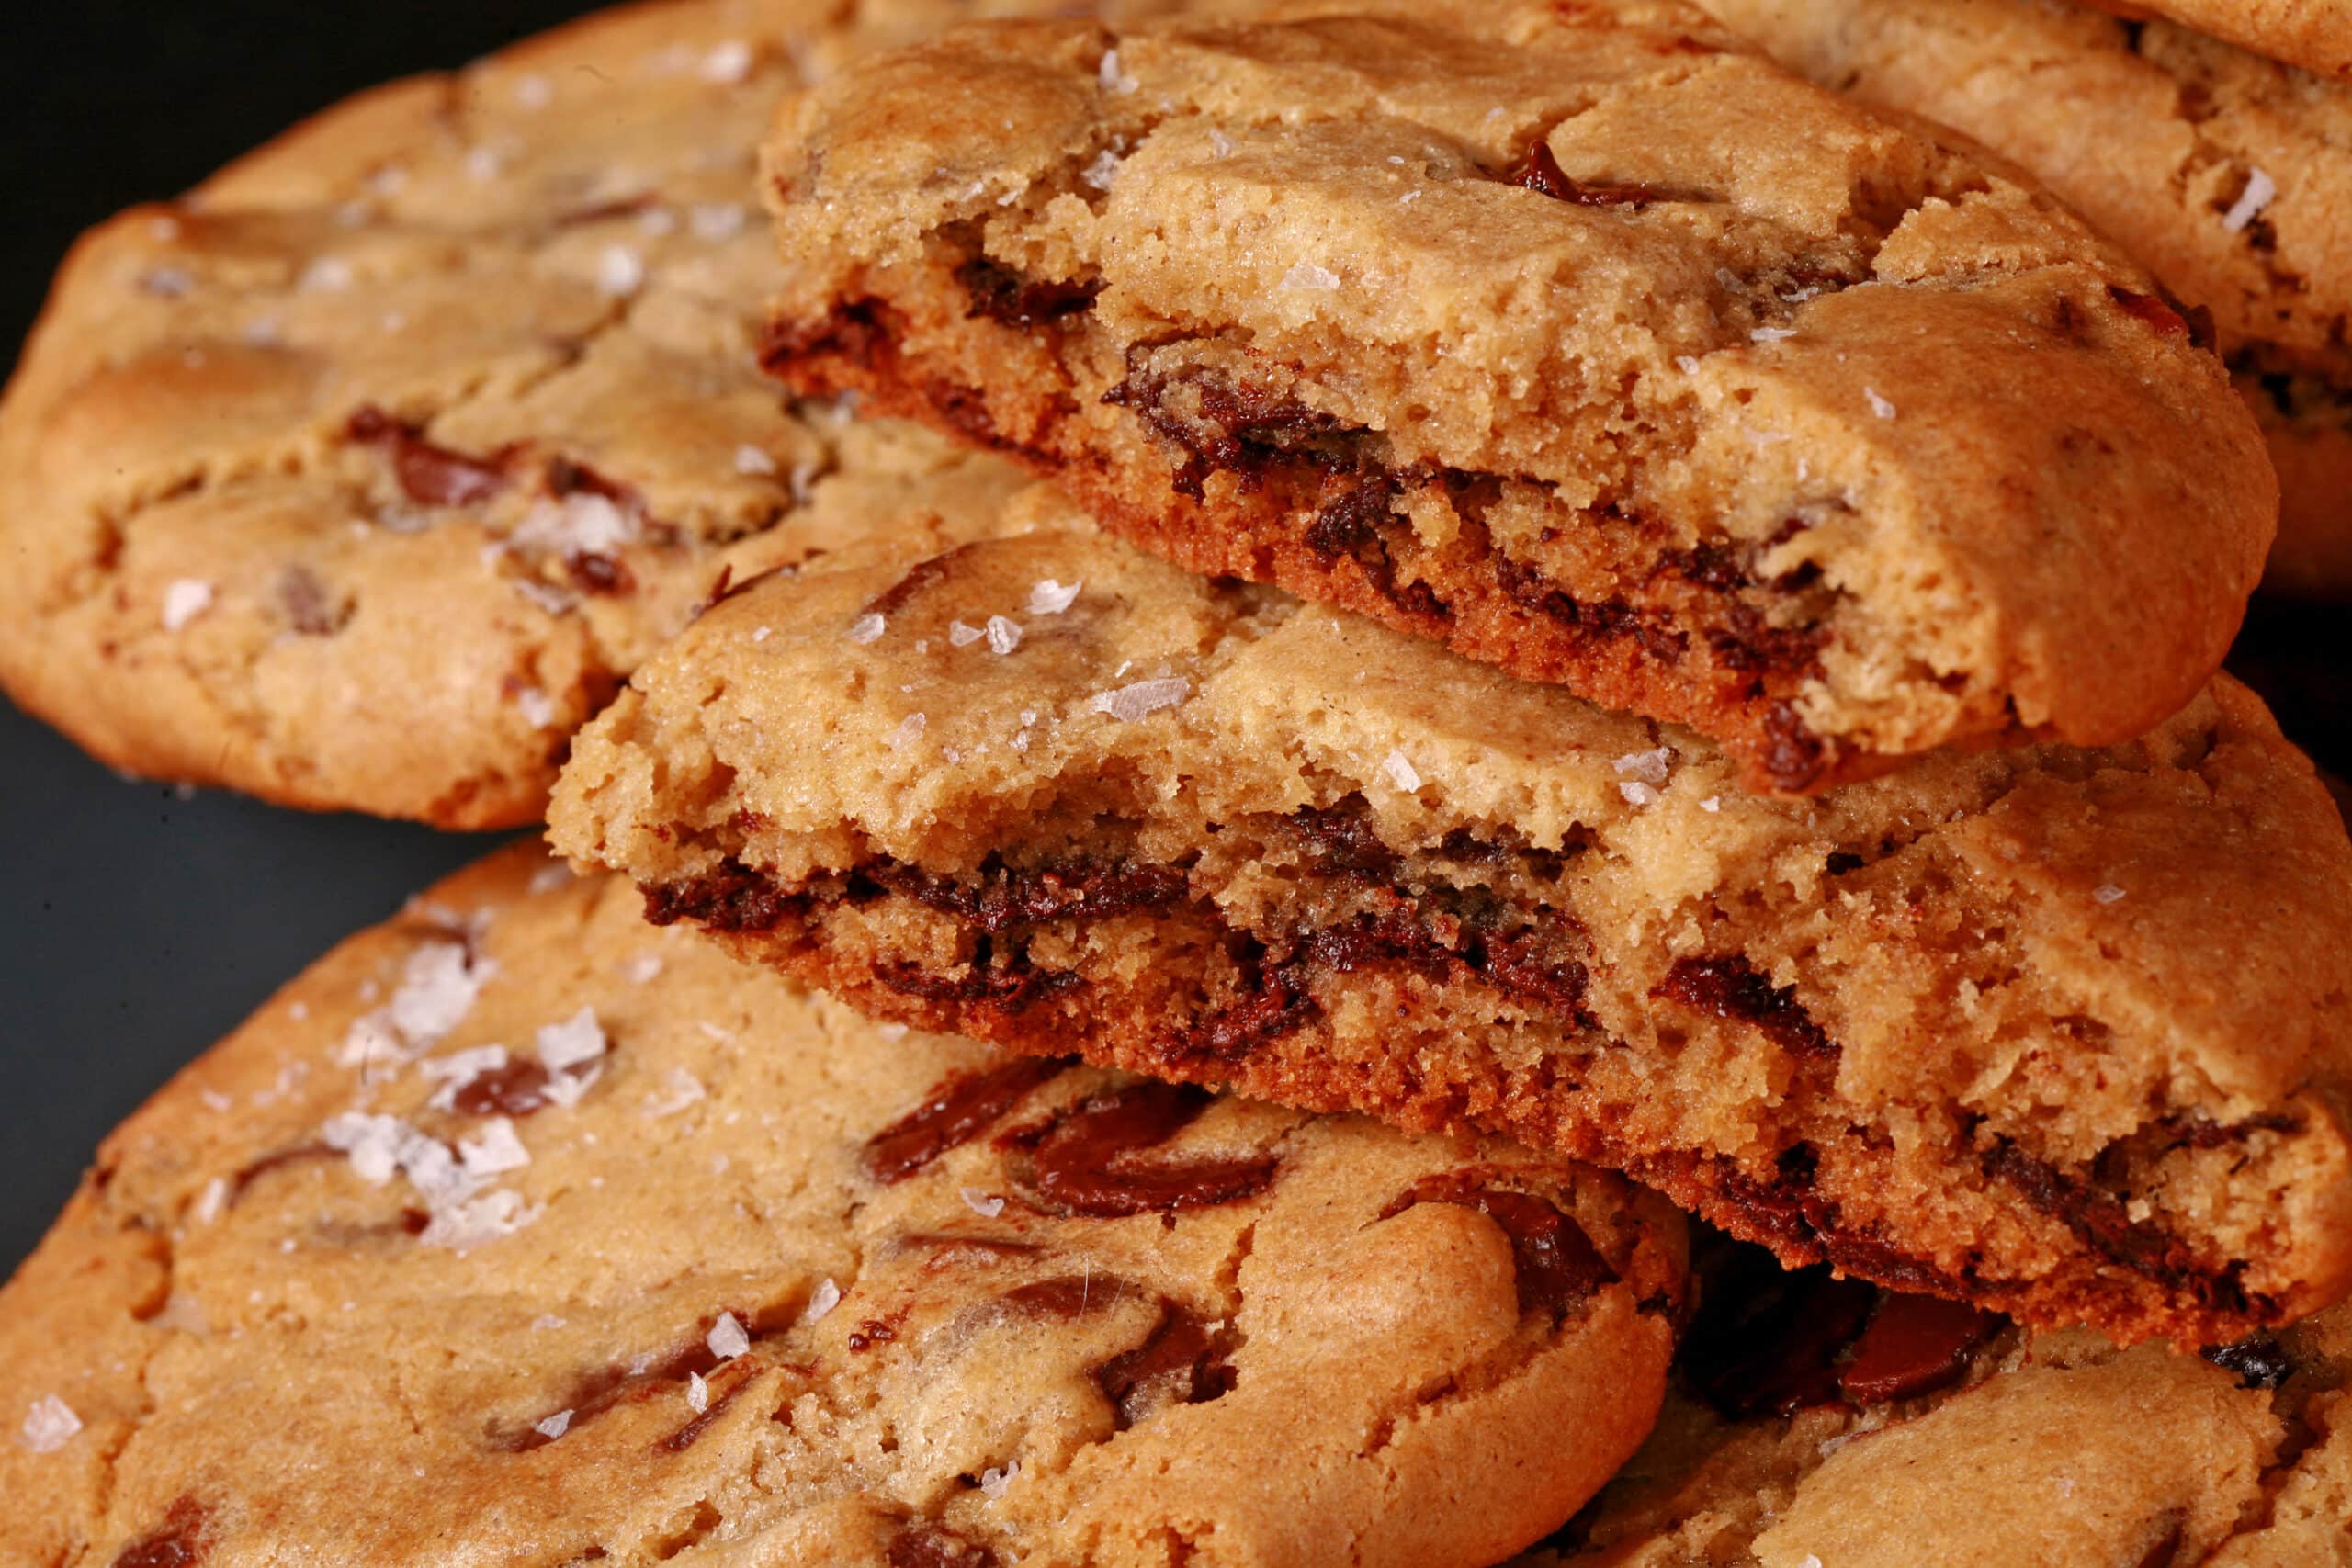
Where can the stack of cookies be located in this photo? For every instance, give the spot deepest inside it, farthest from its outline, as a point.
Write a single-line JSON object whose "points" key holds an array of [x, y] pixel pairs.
{"points": [[1334, 785]]}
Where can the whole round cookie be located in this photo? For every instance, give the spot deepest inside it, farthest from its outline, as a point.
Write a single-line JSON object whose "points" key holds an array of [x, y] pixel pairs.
{"points": [[2227, 173], [1815, 1421], [517, 1233], [364, 474]]}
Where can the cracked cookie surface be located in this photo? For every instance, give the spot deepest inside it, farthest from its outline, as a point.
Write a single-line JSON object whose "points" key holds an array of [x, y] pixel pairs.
{"points": [[516, 1232], [2227, 173], [1812, 1420], [2314, 34], [2060, 1030], [361, 476], [1576, 337]]}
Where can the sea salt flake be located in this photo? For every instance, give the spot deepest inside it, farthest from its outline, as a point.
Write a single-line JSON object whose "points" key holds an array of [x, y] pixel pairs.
{"points": [[726, 1340], [1307, 275], [822, 1299], [620, 271], [1047, 597], [2106, 893], [762, 634], [167, 282], [1713, 803], [579, 525], [1110, 76], [484, 164], [1879, 405], [464, 1225], [2260, 191], [1141, 698], [684, 1088], [554, 1426], [1103, 171], [327, 275], [1220, 144], [578, 1039], [1650, 767], [641, 967], [185, 599], [215, 1101], [909, 729], [1399, 771], [993, 1481], [1004, 635], [459, 1068], [546, 1321], [714, 220], [987, 1205], [533, 92], [866, 628], [556, 874], [1772, 334], [963, 635], [535, 706], [697, 1393], [750, 459], [49, 1425], [731, 62], [1687, 363], [213, 1203], [494, 1150], [566, 1089], [437, 988], [1638, 795]]}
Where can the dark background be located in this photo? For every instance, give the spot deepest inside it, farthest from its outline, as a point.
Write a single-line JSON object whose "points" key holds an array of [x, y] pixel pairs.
{"points": [[136, 928]]}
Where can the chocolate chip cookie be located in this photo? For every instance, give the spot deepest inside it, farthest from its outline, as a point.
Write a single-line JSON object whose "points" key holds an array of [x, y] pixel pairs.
{"points": [[516, 1232], [1814, 1420], [2314, 34], [361, 476], [1571, 336], [2227, 173], [2060, 1030]]}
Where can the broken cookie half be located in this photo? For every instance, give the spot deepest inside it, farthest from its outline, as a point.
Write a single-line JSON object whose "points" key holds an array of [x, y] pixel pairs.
{"points": [[2060, 1032], [1577, 338]]}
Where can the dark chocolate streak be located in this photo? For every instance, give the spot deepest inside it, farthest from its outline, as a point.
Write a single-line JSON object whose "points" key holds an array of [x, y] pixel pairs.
{"points": [[428, 474], [1538, 170], [1086, 1160], [2100, 1221], [1557, 1267], [1179, 1364], [1729, 986], [621, 1383], [922, 1545], [181, 1542], [956, 1110], [1000, 294]]}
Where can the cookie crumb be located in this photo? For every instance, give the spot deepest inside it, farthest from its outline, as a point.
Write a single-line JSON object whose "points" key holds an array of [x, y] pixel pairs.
{"points": [[49, 1425], [184, 600]]}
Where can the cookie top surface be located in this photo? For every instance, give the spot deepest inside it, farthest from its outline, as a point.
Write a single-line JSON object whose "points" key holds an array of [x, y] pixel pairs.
{"points": [[517, 1232], [362, 474], [1740, 301], [1809, 1423], [2314, 34]]}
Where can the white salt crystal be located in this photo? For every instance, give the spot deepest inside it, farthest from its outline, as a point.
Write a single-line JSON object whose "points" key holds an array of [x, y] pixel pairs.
{"points": [[726, 1340], [1400, 771], [1047, 597], [1307, 275], [1004, 635], [1142, 698], [2260, 191], [185, 599], [866, 628], [49, 1425], [822, 1299], [985, 1205]]}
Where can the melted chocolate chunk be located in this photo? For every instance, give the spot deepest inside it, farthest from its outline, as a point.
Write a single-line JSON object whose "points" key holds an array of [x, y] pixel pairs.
{"points": [[181, 1542], [923, 574], [518, 1088], [1235, 429], [1729, 986], [1538, 170], [1342, 839], [1793, 755], [310, 607], [2100, 1221], [874, 1331], [1179, 1364], [1086, 1161], [1000, 294], [1602, 620], [595, 571], [855, 330], [1766, 1341], [2259, 1361], [732, 897], [1068, 1296], [684, 1438], [1914, 1344], [921, 1545], [955, 1111], [616, 1384], [1009, 991], [428, 474], [568, 476], [1001, 896], [1279, 1005], [1557, 1266]]}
